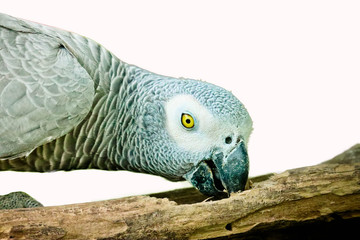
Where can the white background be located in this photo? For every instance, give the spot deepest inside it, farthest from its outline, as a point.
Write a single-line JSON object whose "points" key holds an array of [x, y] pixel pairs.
{"points": [[294, 64]]}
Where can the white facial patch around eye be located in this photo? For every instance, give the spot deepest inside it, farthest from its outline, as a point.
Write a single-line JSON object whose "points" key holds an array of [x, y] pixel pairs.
{"points": [[206, 132]]}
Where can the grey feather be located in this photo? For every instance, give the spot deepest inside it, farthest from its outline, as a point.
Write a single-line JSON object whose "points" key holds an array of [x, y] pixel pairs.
{"points": [[44, 91], [77, 106]]}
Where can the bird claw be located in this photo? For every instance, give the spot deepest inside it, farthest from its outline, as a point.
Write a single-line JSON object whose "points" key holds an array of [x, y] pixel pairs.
{"points": [[18, 200]]}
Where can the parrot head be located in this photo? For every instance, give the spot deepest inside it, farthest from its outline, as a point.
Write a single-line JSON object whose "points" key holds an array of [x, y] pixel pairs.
{"points": [[193, 130], [218, 131]]}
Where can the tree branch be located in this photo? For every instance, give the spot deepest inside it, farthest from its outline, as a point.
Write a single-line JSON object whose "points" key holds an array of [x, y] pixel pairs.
{"points": [[293, 203]]}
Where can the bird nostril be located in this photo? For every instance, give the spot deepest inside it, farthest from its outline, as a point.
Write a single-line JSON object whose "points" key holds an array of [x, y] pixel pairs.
{"points": [[228, 140]]}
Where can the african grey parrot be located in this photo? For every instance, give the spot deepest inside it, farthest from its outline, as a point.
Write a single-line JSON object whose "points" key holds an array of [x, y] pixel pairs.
{"points": [[68, 103]]}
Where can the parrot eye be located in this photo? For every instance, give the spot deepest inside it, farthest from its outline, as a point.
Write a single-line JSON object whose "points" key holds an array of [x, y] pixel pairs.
{"points": [[187, 120]]}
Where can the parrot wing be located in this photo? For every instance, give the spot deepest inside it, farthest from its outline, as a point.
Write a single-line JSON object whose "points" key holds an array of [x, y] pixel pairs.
{"points": [[44, 91]]}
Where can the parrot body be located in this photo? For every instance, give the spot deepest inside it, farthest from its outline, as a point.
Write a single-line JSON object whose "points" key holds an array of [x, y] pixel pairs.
{"points": [[67, 103]]}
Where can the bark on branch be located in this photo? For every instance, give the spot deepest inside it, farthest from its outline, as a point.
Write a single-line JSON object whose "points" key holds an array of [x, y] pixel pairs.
{"points": [[289, 205]]}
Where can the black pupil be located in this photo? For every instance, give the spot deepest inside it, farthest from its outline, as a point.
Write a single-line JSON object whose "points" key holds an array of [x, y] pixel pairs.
{"points": [[228, 140], [187, 121]]}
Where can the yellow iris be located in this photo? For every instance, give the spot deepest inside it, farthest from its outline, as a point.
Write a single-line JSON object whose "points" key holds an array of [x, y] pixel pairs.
{"points": [[187, 120]]}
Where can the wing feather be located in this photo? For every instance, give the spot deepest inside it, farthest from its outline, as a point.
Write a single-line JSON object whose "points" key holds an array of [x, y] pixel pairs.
{"points": [[44, 90]]}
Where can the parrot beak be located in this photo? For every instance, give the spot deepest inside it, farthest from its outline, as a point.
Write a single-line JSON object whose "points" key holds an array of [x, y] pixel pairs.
{"points": [[223, 174]]}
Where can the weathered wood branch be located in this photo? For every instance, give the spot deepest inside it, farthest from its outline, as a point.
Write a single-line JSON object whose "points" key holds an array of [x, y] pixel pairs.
{"points": [[322, 199]]}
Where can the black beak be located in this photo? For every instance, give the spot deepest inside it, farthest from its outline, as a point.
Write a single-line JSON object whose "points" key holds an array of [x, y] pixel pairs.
{"points": [[222, 174]]}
